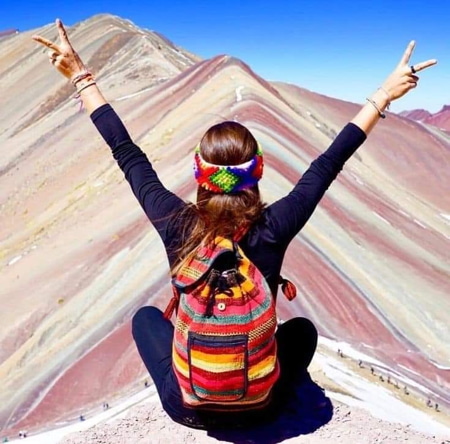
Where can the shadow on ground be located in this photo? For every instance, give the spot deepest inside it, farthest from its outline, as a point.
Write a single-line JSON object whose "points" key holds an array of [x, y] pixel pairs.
{"points": [[306, 409]]}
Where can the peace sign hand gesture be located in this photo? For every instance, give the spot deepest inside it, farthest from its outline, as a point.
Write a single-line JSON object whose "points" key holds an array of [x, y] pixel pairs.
{"points": [[63, 57], [404, 77]]}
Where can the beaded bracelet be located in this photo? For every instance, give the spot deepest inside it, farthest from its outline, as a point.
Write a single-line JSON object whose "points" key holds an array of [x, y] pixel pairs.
{"points": [[380, 113]]}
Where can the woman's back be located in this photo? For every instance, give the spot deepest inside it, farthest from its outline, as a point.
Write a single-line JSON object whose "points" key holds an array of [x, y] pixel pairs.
{"points": [[228, 166]]}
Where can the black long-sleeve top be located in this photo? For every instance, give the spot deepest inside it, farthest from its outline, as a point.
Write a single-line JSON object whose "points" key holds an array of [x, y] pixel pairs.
{"points": [[266, 242]]}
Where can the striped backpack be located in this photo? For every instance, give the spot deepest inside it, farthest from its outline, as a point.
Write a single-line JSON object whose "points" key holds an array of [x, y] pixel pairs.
{"points": [[224, 352]]}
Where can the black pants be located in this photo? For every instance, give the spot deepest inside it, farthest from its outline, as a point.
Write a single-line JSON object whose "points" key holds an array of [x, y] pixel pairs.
{"points": [[153, 334]]}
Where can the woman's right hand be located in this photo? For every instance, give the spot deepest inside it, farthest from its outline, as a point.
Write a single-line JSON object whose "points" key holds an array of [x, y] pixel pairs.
{"points": [[63, 57]]}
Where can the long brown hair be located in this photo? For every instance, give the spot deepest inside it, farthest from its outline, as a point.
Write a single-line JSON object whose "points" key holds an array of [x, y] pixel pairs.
{"points": [[227, 143]]}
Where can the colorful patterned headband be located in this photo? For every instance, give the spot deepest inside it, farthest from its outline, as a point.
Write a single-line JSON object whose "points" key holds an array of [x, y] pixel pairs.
{"points": [[228, 178]]}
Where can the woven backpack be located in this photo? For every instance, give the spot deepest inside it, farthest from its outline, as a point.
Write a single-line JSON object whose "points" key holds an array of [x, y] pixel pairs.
{"points": [[224, 349]]}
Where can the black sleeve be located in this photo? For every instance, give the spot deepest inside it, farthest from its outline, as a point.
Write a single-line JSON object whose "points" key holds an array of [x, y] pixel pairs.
{"points": [[289, 214], [159, 204]]}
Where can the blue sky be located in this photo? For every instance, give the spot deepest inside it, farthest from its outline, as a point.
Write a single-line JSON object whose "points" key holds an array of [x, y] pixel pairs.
{"points": [[340, 48]]}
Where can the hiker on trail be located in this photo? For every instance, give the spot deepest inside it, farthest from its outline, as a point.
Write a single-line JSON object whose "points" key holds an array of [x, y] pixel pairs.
{"points": [[225, 253]]}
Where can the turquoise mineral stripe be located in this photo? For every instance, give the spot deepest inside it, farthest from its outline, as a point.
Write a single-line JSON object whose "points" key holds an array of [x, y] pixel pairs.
{"points": [[255, 314]]}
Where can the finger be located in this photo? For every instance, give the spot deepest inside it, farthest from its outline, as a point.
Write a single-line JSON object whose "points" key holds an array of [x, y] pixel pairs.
{"points": [[62, 62], [62, 31], [412, 78], [413, 81], [407, 54], [47, 43], [58, 64], [53, 58], [424, 65]]}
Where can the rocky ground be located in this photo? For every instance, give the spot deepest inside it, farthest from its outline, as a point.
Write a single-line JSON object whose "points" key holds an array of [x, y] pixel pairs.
{"points": [[311, 415], [147, 423]]}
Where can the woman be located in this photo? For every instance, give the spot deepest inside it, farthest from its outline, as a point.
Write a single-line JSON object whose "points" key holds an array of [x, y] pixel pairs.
{"points": [[230, 207]]}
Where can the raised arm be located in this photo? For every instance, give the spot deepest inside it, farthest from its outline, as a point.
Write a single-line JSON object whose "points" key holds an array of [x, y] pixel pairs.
{"points": [[398, 83], [289, 214], [158, 203]]}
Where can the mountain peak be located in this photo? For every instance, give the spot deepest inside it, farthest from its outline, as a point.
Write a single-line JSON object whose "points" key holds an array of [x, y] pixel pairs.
{"points": [[441, 119], [71, 231]]}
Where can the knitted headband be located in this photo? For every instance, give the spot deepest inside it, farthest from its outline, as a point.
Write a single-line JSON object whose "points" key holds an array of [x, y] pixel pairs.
{"points": [[228, 178]]}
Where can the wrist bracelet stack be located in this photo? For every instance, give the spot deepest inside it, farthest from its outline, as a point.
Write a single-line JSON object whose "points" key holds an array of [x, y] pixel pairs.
{"points": [[380, 113], [377, 107], [83, 80], [81, 76], [86, 85]]}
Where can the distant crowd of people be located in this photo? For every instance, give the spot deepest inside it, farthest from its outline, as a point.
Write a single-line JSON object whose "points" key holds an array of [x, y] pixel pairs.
{"points": [[361, 364], [387, 378], [106, 406]]}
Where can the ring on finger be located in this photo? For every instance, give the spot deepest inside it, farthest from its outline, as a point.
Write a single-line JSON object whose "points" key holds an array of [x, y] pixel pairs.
{"points": [[413, 70]]}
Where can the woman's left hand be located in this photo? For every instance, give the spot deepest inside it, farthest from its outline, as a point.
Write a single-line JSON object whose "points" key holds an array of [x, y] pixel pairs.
{"points": [[67, 61], [63, 57]]}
